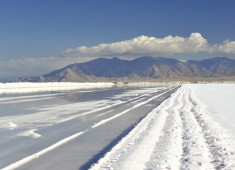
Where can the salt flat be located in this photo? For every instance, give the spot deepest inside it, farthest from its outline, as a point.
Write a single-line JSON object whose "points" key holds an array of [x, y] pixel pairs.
{"points": [[157, 127], [70, 129], [27, 87], [193, 129], [220, 99]]}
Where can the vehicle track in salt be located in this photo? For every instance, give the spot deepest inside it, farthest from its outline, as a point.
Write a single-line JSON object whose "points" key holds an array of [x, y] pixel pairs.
{"points": [[178, 134], [168, 150], [219, 142], [136, 140], [196, 154], [204, 145]]}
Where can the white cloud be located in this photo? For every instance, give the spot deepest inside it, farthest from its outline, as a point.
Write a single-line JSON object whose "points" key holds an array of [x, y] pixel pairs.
{"points": [[145, 45], [227, 47]]}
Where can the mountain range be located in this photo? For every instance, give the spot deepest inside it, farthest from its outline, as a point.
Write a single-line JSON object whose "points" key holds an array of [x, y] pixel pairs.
{"points": [[143, 68]]}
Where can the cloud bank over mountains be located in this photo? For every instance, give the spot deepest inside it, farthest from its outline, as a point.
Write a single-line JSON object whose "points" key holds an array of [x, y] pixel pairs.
{"points": [[144, 45], [173, 47]]}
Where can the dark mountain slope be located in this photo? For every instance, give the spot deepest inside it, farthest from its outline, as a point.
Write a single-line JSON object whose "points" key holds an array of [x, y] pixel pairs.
{"points": [[140, 68]]}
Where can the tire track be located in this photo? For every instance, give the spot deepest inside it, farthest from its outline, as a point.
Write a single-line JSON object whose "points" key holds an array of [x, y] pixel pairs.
{"points": [[127, 110], [196, 154], [168, 149], [220, 144], [178, 134], [140, 141]]}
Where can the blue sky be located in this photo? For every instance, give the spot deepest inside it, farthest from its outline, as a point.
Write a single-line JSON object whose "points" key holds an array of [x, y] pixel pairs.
{"points": [[35, 29]]}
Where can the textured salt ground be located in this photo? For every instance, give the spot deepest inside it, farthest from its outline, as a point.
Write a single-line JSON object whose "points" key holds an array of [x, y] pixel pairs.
{"points": [[178, 134]]}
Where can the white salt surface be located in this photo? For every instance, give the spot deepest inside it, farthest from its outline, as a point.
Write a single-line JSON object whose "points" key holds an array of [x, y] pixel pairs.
{"points": [[37, 87], [181, 133], [193, 129], [220, 99]]}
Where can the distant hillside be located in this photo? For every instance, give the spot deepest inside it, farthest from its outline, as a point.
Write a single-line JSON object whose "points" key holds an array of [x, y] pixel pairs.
{"points": [[142, 68]]}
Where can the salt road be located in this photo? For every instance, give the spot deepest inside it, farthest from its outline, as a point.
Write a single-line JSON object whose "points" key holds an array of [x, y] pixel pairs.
{"points": [[70, 130]]}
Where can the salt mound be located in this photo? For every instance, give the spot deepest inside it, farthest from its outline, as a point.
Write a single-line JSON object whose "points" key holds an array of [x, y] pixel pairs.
{"points": [[30, 133], [11, 126]]}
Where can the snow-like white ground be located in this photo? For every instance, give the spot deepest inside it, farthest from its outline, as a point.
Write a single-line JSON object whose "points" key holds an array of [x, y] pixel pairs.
{"points": [[193, 129], [26, 87], [220, 99]]}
